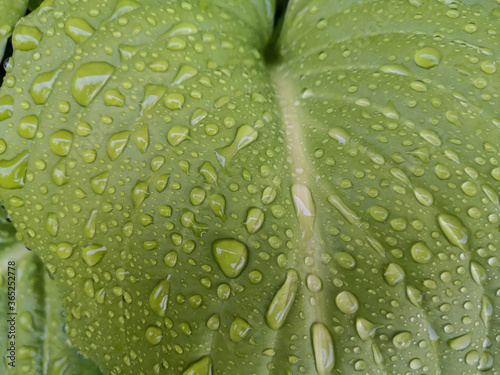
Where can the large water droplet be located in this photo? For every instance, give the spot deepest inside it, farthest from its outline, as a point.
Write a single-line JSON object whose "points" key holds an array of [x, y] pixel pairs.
{"points": [[60, 142], [26, 38], [347, 302], [117, 143], [93, 254], [282, 301], [231, 256], [78, 29], [461, 342], [394, 274], [158, 299], [427, 57], [402, 340], [13, 171], [42, 86], [89, 79], [304, 208], [454, 231], [244, 136], [201, 367], [239, 329], [324, 351]]}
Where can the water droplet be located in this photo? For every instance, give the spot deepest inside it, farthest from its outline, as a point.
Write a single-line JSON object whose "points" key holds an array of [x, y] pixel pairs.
{"points": [[183, 28], [454, 231], [397, 69], [139, 193], [6, 107], [26, 321], [117, 143], [201, 367], [60, 142], [231, 256], [394, 274], [28, 126], [154, 335], [26, 38], [304, 208], [141, 138], [42, 86], [78, 29], [461, 342], [347, 302], [93, 254], [239, 329], [217, 203], [185, 72], [486, 312], [213, 322], [158, 299], [427, 57], [188, 220], [402, 340], [59, 173], [177, 134], [197, 196], [314, 283], [365, 328], [340, 135], [89, 79], [255, 220], [99, 182], [324, 351], [13, 171], [207, 170], [348, 214], [282, 301], [52, 224], [345, 260], [421, 253], [244, 136], [432, 137], [424, 197], [379, 213], [161, 182], [171, 258], [174, 101], [65, 249], [478, 272], [114, 98]]}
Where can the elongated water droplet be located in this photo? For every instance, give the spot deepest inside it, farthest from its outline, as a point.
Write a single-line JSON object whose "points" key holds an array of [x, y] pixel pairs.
{"points": [[6, 107], [52, 223], [117, 143], [114, 98], [13, 171], [78, 29], [123, 7], [461, 342], [158, 299], [93, 254], [323, 348], [231, 256], [347, 302], [478, 272], [188, 220], [255, 220], [217, 203], [486, 312], [59, 173], [454, 231], [141, 138], [42, 86], [139, 193], [239, 329], [244, 136], [305, 209], [89, 79], [424, 197], [207, 170], [183, 28], [282, 301], [348, 214]]}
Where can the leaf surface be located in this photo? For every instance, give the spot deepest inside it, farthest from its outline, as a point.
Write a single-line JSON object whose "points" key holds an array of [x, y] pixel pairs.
{"points": [[328, 206]]}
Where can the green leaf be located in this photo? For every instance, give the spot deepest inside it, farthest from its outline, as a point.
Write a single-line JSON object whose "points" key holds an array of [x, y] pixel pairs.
{"points": [[10, 12], [36, 334], [328, 206]]}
